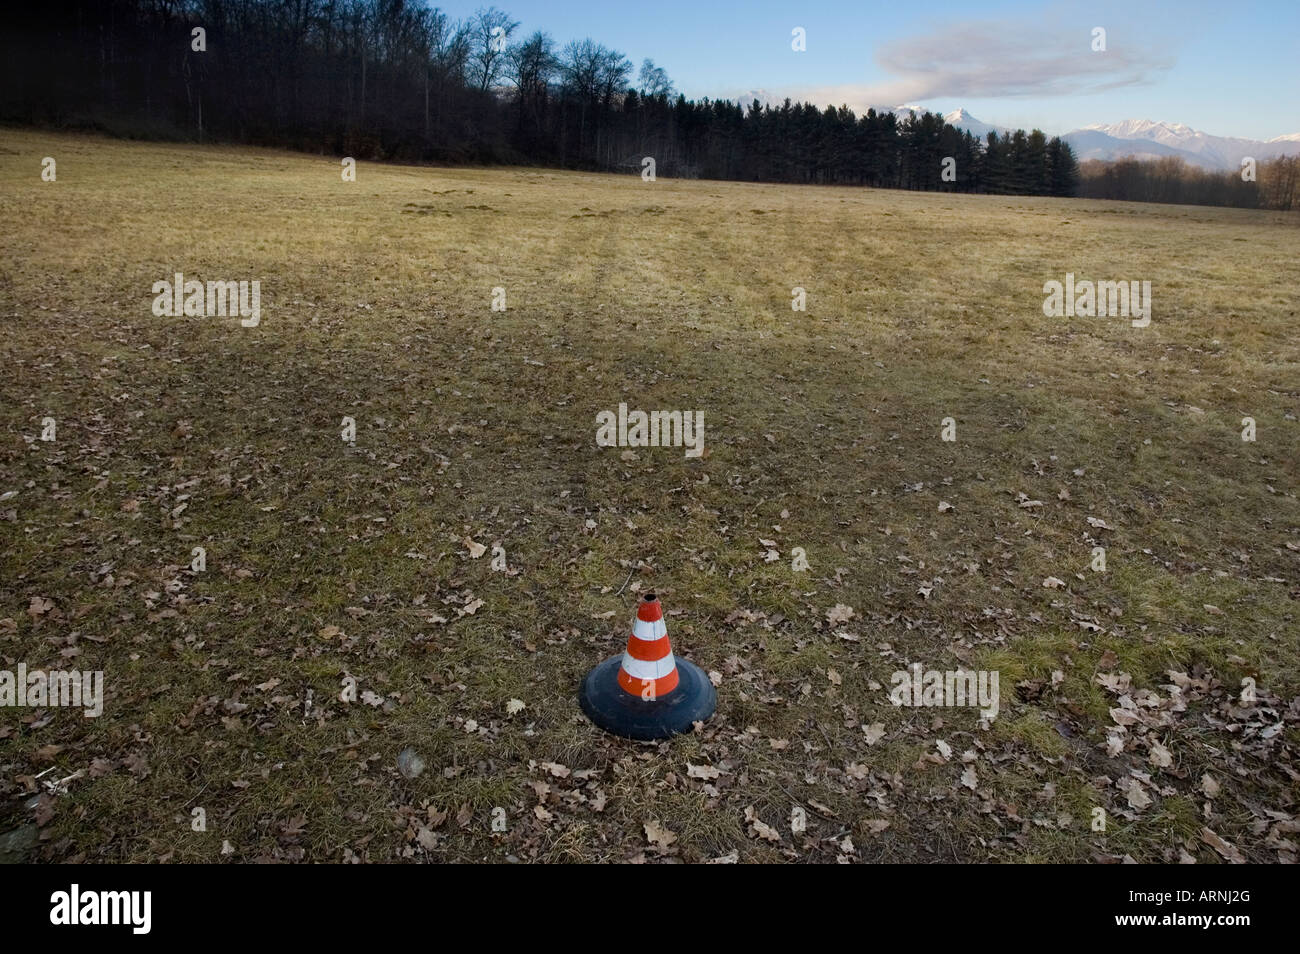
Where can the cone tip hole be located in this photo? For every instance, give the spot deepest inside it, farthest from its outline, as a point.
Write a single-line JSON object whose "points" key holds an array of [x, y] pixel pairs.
{"points": [[649, 597]]}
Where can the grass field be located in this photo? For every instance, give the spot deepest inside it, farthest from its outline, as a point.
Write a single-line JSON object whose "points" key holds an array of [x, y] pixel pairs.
{"points": [[1120, 690]]}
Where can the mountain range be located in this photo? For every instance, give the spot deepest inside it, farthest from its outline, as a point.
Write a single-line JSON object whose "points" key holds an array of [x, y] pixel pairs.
{"points": [[1141, 139]]}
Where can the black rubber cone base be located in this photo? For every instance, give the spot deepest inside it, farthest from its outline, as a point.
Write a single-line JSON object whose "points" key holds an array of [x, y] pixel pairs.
{"points": [[607, 704]]}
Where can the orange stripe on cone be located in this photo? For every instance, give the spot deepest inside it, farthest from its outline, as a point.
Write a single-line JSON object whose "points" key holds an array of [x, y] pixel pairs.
{"points": [[648, 689], [648, 650]]}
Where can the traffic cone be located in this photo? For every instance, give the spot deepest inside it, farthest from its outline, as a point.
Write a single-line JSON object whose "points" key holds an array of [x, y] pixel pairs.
{"points": [[647, 693]]}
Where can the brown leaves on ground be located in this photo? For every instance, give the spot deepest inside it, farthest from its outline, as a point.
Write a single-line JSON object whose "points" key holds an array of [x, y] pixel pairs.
{"points": [[758, 828]]}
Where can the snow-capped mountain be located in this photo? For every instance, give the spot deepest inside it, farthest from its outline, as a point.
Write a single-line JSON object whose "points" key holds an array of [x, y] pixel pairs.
{"points": [[1145, 138], [902, 112], [958, 118], [1095, 144], [977, 128]]}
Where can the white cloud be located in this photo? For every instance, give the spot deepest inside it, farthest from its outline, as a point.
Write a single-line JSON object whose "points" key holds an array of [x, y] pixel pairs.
{"points": [[993, 59]]}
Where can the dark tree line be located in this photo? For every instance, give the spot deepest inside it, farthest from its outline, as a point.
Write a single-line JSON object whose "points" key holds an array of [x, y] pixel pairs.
{"points": [[1276, 184], [397, 79]]}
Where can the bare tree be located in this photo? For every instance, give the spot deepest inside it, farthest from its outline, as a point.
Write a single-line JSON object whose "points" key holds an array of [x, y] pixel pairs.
{"points": [[489, 34], [532, 66], [1279, 180], [594, 75], [580, 67], [654, 80]]}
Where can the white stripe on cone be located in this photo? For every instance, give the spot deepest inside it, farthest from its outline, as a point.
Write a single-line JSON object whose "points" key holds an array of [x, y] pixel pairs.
{"points": [[648, 669], [649, 631]]}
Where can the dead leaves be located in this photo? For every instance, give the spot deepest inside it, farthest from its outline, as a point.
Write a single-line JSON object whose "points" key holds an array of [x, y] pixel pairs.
{"points": [[1160, 756], [470, 608], [839, 614], [758, 828], [1228, 851], [47, 753], [138, 765], [1125, 717], [1136, 795], [968, 777], [657, 835]]}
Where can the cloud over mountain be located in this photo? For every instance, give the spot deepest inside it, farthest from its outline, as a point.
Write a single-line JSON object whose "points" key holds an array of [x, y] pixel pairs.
{"points": [[985, 59]]}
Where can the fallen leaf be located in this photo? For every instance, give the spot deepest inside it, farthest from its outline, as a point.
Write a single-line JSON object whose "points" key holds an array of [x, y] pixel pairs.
{"points": [[1138, 799], [1228, 850], [758, 828], [839, 614], [1125, 716], [656, 834]]}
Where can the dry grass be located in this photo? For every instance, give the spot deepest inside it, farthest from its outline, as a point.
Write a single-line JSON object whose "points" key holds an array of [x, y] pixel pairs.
{"points": [[823, 432]]}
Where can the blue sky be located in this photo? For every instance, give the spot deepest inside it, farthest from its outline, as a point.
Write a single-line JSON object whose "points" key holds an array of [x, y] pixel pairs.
{"points": [[1227, 68]]}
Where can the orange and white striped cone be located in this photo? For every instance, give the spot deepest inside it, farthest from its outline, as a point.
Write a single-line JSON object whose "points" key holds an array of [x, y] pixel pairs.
{"points": [[647, 693]]}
